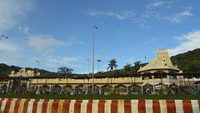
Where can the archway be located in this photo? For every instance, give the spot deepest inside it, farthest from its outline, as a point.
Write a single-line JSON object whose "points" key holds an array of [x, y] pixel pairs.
{"points": [[96, 89], [67, 89], [147, 89], [161, 88], [33, 89], [80, 89], [44, 89], [173, 88], [134, 89], [120, 89], [56, 89], [106, 89], [23, 88]]}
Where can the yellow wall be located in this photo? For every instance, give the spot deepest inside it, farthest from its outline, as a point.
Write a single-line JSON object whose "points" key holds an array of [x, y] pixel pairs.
{"points": [[121, 80]]}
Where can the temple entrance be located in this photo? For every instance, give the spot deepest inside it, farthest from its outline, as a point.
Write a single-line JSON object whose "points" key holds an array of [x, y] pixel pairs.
{"points": [[56, 89]]}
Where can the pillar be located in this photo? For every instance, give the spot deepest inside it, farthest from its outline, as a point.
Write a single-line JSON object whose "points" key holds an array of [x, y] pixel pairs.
{"points": [[8, 86], [153, 85], [142, 86], [28, 85]]}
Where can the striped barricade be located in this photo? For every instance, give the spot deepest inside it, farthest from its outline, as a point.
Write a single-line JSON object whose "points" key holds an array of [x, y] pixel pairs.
{"points": [[14, 105]]}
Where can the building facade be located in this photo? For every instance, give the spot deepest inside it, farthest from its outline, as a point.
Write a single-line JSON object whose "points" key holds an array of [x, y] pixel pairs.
{"points": [[153, 78]]}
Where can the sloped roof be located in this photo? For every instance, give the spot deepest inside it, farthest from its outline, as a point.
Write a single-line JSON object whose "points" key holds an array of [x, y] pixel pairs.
{"points": [[161, 62]]}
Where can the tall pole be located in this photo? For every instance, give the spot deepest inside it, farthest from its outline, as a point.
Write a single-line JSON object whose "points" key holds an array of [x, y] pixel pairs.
{"points": [[94, 28]]}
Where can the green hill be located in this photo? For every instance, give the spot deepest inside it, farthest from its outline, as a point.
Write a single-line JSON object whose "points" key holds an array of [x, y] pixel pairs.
{"points": [[6, 69], [189, 61]]}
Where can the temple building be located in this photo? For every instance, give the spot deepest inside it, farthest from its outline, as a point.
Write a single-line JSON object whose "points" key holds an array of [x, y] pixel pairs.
{"points": [[161, 62], [158, 76]]}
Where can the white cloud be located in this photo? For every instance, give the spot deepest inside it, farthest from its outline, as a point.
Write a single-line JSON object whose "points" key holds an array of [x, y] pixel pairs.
{"points": [[57, 61], [188, 42], [161, 4], [179, 17], [10, 52], [156, 4], [44, 43], [11, 12], [6, 45], [24, 29], [139, 19], [118, 15]]}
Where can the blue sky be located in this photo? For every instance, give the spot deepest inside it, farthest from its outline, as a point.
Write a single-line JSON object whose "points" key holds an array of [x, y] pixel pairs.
{"points": [[60, 33]]}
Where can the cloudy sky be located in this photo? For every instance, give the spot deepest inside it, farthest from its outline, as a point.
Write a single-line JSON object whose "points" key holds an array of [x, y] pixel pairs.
{"points": [[60, 33]]}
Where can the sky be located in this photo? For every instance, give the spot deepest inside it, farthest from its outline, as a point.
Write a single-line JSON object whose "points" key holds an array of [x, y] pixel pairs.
{"points": [[59, 33]]}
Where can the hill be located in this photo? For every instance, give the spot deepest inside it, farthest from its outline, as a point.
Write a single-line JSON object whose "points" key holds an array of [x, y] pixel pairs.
{"points": [[188, 61], [6, 69]]}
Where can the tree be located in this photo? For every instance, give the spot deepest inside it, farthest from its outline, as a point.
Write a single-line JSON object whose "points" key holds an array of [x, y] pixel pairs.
{"points": [[65, 70], [137, 65], [112, 64], [127, 67]]}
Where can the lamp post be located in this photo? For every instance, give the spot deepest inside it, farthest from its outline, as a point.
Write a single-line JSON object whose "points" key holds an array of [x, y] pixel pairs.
{"points": [[94, 29]]}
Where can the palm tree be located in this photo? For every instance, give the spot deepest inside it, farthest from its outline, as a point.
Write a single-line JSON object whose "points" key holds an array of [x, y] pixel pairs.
{"points": [[112, 64], [65, 71]]}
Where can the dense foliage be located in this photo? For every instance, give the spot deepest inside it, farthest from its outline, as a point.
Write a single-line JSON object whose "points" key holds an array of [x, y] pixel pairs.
{"points": [[188, 62]]}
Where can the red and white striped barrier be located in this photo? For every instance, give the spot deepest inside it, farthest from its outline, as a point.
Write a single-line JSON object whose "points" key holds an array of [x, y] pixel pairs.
{"points": [[14, 105]]}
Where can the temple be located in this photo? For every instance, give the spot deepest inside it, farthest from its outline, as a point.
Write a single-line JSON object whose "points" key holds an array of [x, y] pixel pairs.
{"points": [[158, 76], [161, 62]]}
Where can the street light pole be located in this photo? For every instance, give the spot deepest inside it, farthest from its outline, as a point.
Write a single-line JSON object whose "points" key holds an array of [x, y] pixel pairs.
{"points": [[94, 28]]}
